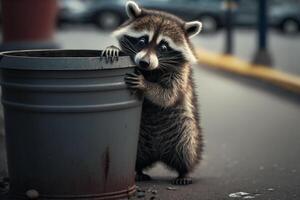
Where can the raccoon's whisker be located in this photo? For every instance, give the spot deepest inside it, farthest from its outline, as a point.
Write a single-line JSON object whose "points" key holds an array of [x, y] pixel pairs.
{"points": [[173, 56], [127, 47], [170, 57], [171, 60], [163, 65], [125, 43], [128, 43], [166, 66], [130, 48], [163, 68]]}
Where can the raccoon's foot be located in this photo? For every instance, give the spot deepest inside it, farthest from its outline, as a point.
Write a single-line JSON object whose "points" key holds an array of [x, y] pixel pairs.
{"points": [[135, 81], [182, 180], [111, 53], [140, 176]]}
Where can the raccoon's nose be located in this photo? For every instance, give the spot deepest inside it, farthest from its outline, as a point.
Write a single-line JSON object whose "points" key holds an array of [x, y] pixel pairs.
{"points": [[144, 64]]}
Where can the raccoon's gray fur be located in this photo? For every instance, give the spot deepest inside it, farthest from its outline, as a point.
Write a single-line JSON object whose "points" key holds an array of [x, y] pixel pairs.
{"points": [[159, 44]]}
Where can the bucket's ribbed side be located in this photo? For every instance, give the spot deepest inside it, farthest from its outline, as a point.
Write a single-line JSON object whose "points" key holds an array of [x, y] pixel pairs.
{"points": [[70, 134]]}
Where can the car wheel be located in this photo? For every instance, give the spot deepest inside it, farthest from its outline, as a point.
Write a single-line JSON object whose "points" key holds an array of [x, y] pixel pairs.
{"points": [[108, 20], [210, 24], [290, 26]]}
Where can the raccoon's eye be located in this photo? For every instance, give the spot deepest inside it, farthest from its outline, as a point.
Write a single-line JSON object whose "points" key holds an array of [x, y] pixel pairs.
{"points": [[163, 48], [142, 42]]}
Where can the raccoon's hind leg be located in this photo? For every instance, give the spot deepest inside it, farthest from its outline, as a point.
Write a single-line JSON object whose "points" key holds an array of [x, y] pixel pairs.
{"points": [[184, 157], [140, 176], [141, 164], [182, 180], [111, 53], [144, 159], [181, 166]]}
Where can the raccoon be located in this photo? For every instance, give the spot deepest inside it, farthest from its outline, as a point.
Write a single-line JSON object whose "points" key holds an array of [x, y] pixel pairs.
{"points": [[158, 42]]}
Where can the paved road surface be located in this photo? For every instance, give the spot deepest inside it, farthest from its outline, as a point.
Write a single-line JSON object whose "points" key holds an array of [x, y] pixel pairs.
{"points": [[252, 136]]}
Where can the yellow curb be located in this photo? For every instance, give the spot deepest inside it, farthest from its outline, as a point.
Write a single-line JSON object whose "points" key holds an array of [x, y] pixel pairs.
{"points": [[238, 66]]}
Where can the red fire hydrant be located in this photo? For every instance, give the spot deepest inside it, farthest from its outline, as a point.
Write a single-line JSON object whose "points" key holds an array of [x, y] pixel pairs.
{"points": [[28, 24]]}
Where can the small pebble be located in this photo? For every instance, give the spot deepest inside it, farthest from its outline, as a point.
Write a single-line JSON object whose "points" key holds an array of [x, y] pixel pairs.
{"points": [[154, 191], [32, 194], [249, 197], [140, 190], [140, 194], [238, 194], [270, 189], [171, 188]]}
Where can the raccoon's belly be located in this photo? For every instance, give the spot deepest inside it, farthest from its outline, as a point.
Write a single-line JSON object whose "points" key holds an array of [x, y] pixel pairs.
{"points": [[160, 128]]}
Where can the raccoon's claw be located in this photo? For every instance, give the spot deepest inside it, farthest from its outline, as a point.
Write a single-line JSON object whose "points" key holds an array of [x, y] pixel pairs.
{"points": [[182, 181], [142, 177], [135, 81], [111, 53]]}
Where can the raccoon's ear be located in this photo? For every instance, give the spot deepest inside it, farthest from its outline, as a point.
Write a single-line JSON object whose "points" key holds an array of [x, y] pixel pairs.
{"points": [[193, 28], [132, 9]]}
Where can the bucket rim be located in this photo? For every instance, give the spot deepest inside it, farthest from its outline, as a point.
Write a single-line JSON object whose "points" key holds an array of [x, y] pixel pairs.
{"points": [[61, 59]]}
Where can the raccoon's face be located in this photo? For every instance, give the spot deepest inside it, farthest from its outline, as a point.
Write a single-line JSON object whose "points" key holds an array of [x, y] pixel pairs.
{"points": [[156, 39]]}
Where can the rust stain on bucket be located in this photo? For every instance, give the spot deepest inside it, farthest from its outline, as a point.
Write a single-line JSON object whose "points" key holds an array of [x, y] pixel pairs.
{"points": [[106, 163]]}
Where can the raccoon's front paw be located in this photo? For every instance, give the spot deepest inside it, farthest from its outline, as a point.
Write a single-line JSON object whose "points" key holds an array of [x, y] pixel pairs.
{"points": [[111, 53], [135, 81], [182, 181]]}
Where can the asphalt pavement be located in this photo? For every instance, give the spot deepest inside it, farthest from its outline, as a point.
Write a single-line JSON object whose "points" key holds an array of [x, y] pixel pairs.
{"points": [[251, 132]]}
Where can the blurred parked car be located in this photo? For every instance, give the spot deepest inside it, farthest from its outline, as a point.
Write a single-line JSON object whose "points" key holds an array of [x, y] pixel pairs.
{"points": [[73, 11], [107, 15], [283, 15], [110, 14], [286, 17], [209, 12]]}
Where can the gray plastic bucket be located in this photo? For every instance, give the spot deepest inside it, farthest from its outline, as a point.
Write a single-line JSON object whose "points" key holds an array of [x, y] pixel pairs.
{"points": [[71, 124]]}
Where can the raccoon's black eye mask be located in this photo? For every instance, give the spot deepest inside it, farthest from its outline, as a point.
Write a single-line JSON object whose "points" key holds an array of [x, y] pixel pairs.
{"points": [[139, 42], [166, 55], [164, 50], [129, 44]]}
